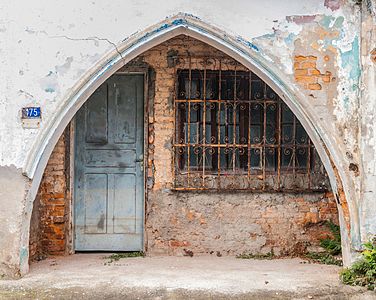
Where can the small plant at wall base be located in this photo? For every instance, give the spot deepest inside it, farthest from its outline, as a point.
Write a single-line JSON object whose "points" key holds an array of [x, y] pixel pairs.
{"points": [[363, 272], [332, 246], [118, 256], [269, 255], [325, 258]]}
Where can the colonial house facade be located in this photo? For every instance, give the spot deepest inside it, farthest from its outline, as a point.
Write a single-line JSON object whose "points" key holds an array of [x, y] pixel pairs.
{"points": [[174, 128]]}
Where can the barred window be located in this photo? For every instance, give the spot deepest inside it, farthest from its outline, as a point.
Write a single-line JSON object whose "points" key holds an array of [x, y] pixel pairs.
{"points": [[233, 132]]}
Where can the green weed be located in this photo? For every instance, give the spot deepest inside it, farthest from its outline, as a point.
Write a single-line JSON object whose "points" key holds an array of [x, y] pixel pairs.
{"points": [[325, 258], [118, 256], [269, 255], [332, 246], [362, 272]]}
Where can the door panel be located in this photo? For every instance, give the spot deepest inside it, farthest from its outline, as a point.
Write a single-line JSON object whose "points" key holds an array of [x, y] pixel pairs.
{"points": [[125, 121], [95, 198], [109, 181], [110, 158], [125, 211], [96, 116]]}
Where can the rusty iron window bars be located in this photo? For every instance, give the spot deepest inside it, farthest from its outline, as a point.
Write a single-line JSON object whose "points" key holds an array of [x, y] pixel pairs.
{"points": [[233, 132]]}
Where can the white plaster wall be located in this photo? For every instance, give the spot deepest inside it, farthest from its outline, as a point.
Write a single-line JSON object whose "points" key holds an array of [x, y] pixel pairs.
{"points": [[368, 124], [46, 46]]}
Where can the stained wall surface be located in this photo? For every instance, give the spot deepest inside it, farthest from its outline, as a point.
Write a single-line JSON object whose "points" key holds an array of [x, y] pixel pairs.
{"points": [[320, 50], [189, 223], [50, 225], [220, 223]]}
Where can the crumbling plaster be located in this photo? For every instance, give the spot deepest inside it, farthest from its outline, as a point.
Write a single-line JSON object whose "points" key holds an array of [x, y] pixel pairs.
{"points": [[49, 49], [14, 188], [334, 40], [368, 124], [67, 42]]}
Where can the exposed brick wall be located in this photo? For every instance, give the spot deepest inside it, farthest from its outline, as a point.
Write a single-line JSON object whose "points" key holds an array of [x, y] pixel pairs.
{"points": [[177, 223], [236, 223], [35, 246], [228, 223], [50, 220], [307, 74]]}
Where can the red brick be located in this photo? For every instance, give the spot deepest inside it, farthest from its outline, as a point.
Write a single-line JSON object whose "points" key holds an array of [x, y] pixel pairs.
{"points": [[301, 72], [314, 86], [306, 78], [53, 200]]}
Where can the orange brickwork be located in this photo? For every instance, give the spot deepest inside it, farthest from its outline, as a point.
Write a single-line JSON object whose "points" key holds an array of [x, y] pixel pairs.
{"points": [[307, 74], [196, 223], [53, 206]]}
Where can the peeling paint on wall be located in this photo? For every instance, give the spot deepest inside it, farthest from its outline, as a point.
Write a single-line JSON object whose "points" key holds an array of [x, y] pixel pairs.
{"points": [[350, 62], [52, 54], [333, 4]]}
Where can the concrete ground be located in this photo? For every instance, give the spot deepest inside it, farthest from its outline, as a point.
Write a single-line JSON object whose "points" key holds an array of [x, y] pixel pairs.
{"points": [[92, 276]]}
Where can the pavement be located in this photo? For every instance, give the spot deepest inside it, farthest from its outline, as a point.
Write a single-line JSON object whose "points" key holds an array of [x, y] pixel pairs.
{"points": [[93, 276]]}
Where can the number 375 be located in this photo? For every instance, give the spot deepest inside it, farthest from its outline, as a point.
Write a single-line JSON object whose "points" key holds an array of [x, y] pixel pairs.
{"points": [[31, 112]]}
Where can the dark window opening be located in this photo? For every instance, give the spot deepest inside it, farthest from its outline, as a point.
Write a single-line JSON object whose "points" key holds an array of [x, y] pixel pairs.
{"points": [[232, 131]]}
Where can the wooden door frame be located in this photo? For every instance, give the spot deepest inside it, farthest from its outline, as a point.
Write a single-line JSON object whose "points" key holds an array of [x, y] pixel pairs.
{"points": [[70, 235]]}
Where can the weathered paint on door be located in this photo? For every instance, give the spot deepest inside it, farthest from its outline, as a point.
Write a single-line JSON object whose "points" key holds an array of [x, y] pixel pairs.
{"points": [[109, 181]]}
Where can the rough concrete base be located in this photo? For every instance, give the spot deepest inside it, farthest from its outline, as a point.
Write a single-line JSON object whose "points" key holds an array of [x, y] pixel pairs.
{"points": [[236, 223], [13, 220], [90, 276]]}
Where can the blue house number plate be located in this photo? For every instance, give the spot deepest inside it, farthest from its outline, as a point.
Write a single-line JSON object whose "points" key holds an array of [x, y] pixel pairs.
{"points": [[31, 113]]}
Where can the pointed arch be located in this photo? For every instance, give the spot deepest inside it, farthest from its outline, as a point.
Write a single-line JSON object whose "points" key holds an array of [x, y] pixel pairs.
{"points": [[239, 49]]}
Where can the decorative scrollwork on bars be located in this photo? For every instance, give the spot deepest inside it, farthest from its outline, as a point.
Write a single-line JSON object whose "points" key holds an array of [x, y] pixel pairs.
{"points": [[211, 150], [230, 122], [241, 151]]}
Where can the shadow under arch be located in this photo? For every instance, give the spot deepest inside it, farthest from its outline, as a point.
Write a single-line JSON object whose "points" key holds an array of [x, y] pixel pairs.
{"points": [[244, 52]]}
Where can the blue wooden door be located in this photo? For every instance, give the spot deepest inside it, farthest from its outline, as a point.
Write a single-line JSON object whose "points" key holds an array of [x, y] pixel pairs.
{"points": [[109, 181]]}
